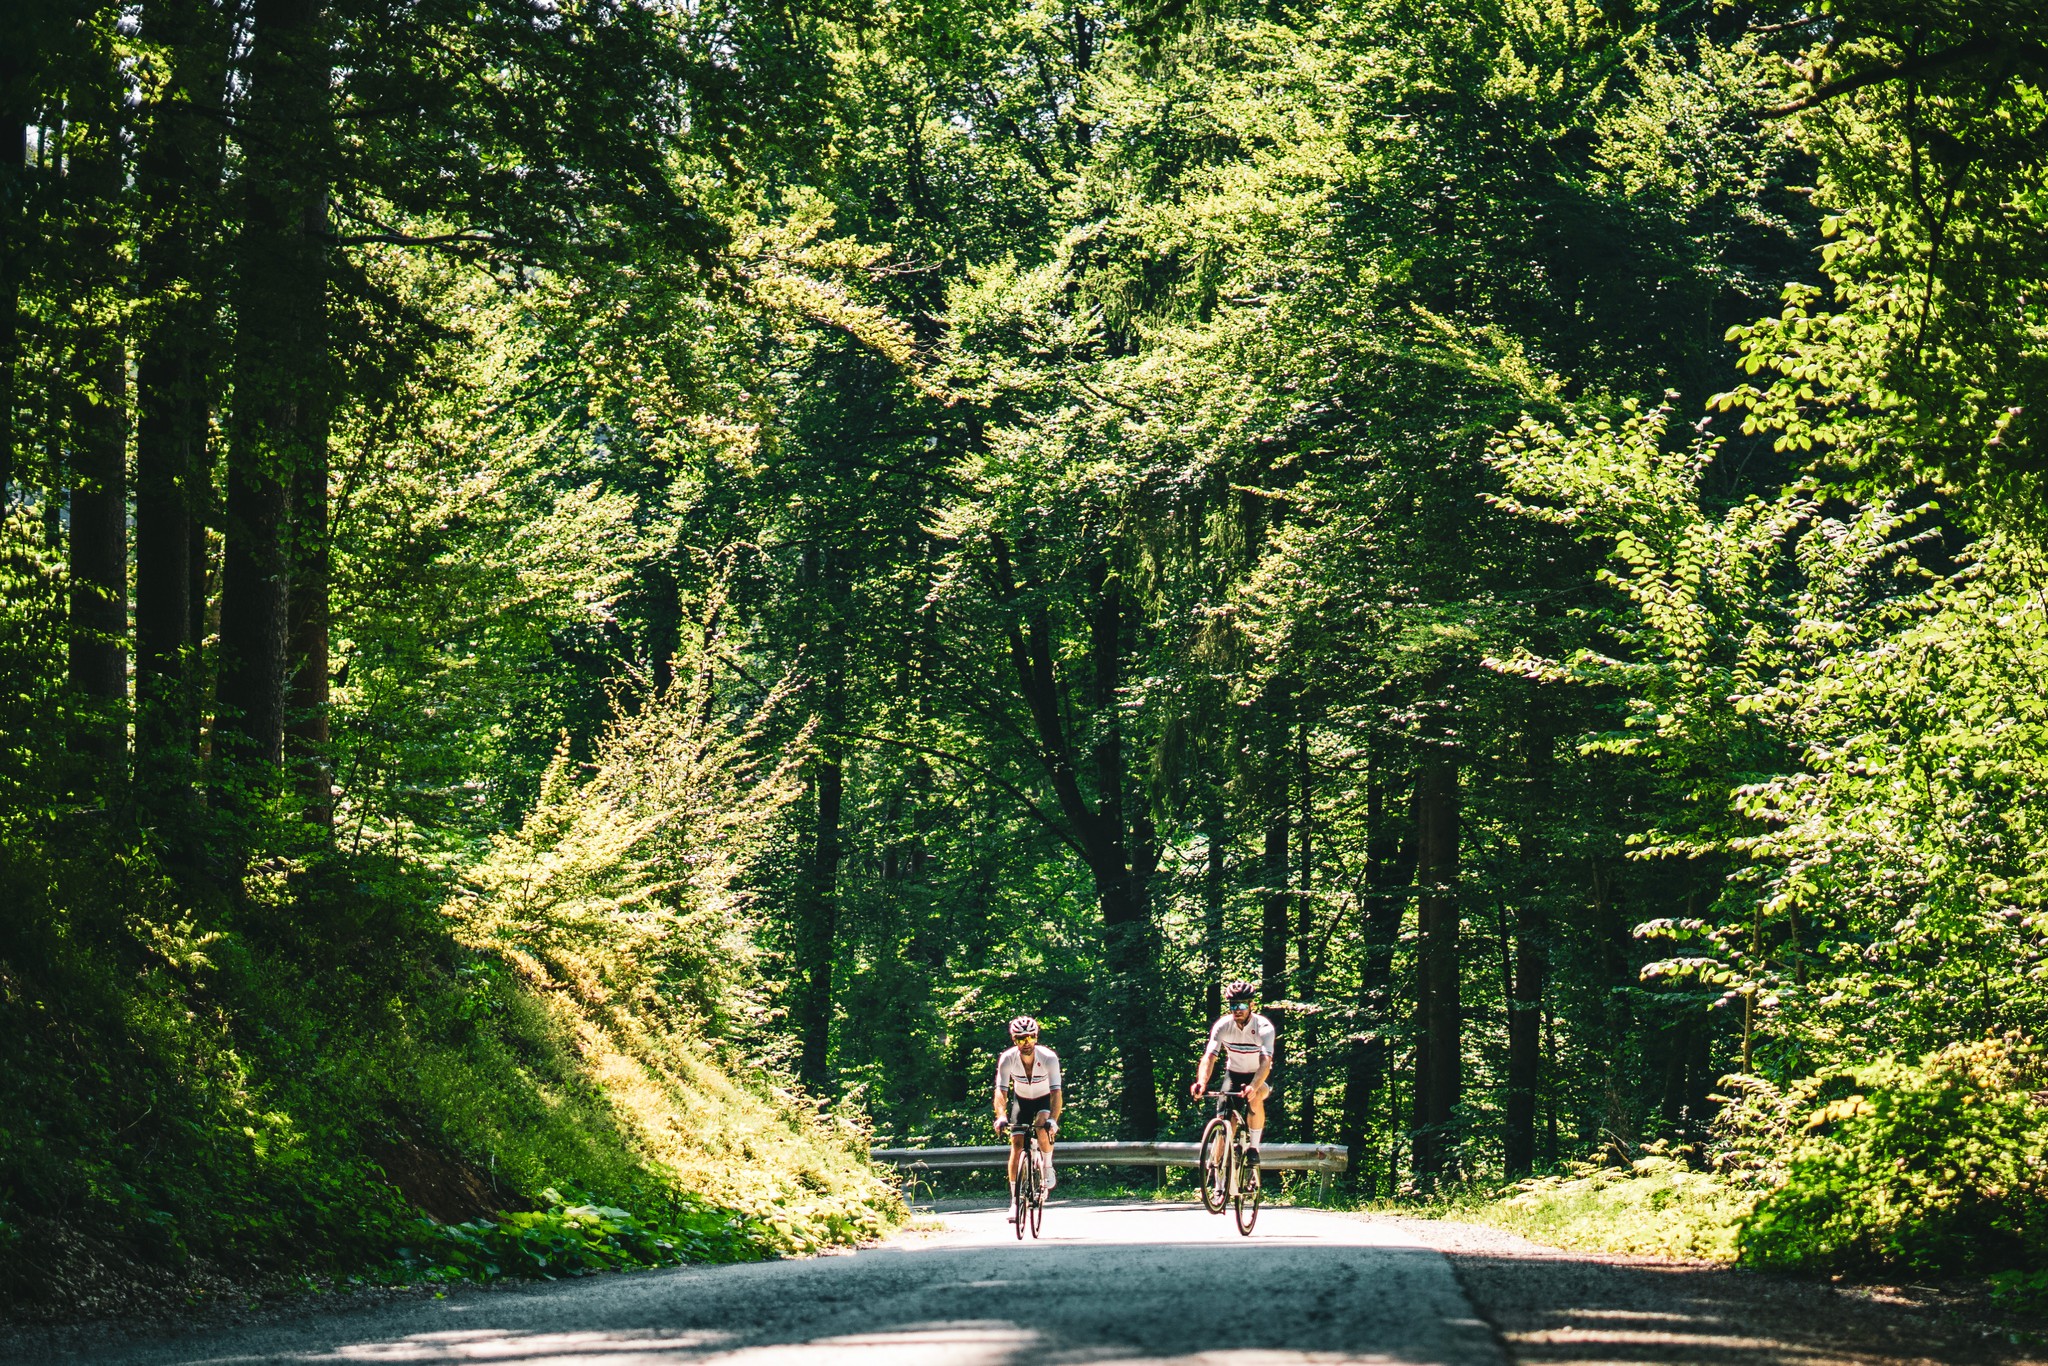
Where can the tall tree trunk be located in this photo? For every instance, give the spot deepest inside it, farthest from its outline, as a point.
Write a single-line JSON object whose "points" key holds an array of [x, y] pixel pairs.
{"points": [[99, 545], [1305, 940], [1612, 941], [1114, 839], [14, 226], [1273, 926], [1124, 878], [1440, 1072], [1214, 887], [1531, 970], [818, 908], [99, 426], [818, 918], [1525, 1040], [178, 181], [306, 717], [1366, 1063], [280, 369]]}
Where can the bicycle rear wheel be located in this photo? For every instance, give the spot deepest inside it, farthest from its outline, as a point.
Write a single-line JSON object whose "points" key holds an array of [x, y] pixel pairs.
{"points": [[1037, 1209], [1248, 1202], [1214, 1156]]}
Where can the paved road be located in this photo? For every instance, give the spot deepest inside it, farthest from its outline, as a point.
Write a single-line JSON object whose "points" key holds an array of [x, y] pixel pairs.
{"points": [[1141, 1285]]}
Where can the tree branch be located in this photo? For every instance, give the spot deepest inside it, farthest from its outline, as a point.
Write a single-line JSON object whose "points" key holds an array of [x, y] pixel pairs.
{"points": [[1934, 61], [1023, 798]]}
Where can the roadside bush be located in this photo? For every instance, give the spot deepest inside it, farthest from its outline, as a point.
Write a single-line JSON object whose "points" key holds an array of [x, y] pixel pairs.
{"points": [[577, 1239], [1656, 1206], [1937, 1166]]}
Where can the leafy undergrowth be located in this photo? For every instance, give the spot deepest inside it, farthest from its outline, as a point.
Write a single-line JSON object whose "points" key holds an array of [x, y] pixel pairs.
{"points": [[1935, 1168], [1657, 1206], [214, 1085], [577, 1239], [195, 1114]]}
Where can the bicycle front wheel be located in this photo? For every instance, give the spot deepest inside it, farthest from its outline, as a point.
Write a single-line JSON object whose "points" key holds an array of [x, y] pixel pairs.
{"points": [[1037, 1210], [1021, 1203], [1248, 1203], [1214, 1155]]}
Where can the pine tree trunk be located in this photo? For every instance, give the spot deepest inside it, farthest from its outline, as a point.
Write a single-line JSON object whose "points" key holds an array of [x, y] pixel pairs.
{"points": [[1525, 1042], [818, 908], [14, 115], [819, 920], [99, 430], [280, 369], [1367, 1057], [178, 183], [1305, 944], [99, 544], [1440, 1067], [1273, 927], [306, 716], [1214, 888], [1126, 857]]}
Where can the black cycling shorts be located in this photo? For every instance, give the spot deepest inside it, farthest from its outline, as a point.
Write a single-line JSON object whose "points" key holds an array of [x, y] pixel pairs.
{"points": [[1024, 1111], [1234, 1080]]}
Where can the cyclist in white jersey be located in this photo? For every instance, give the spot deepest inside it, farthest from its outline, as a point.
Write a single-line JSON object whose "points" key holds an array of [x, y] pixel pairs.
{"points": [[1246, 1041], [1028, 1097]]}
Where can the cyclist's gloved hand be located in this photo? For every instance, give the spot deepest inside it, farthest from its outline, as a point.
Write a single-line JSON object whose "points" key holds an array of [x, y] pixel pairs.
{"points": [[1052, 1126], [1002, 1124], [1196, 1090]]}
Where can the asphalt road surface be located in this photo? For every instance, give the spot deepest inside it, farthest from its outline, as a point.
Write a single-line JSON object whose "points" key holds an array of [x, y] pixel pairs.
{"points": [[1133, 1284]]}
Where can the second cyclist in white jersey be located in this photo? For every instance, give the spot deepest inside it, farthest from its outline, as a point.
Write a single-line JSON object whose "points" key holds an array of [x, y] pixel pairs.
{"points": [[1245, 1039], [1028, 1098]]}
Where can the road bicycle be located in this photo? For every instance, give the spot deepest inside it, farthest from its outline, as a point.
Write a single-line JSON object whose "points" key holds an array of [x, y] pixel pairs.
{"points": [[1226, 1178], [1028, 1204]]}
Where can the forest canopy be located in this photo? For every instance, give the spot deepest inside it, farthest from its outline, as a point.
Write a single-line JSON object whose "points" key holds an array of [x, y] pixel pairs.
{"points": [[807, 530]]}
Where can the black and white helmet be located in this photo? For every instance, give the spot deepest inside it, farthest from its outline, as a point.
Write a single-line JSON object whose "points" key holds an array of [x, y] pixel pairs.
{"points": [[1240, 990], [1023, 1025]]}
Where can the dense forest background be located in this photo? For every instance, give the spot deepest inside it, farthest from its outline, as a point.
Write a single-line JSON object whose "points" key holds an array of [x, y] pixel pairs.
{"points": [[788, 534]]}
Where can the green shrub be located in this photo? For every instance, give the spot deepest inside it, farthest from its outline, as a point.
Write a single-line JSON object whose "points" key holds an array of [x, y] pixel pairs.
{"points": [[574, 1240], [1936, 1166], [1656, 1206]]}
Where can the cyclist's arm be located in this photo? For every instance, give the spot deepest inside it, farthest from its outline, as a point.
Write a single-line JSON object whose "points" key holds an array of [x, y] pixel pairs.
{"points": [[1266, 1041], [1206, 1066], [1002, 1110], [1059, 1095]]}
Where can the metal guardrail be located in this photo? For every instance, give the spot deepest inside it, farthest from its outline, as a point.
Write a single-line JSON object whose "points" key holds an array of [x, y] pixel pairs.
{"points": [[1302, 1157]]}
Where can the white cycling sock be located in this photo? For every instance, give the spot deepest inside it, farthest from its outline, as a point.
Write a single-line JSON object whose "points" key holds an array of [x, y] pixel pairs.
{"points": [[1256, 1135], [1045, 1166]]}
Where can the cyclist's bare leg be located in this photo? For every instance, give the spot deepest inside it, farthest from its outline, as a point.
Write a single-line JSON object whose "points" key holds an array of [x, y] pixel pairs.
{"points": [[1017, 1141], [1045, 1146]]}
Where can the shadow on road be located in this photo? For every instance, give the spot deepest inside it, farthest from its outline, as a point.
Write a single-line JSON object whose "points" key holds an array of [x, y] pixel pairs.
{"points": [[1557, 1308], [1048, 1304], [1136, 1285]]}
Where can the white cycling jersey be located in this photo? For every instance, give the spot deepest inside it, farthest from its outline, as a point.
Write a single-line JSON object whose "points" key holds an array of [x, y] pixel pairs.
{"points": [[1040, 1078], [1244, 1046]]}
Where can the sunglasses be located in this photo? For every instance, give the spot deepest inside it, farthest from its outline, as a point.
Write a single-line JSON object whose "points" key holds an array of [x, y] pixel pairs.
{"points": [[1240, 1007], [1027, 1038]]}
